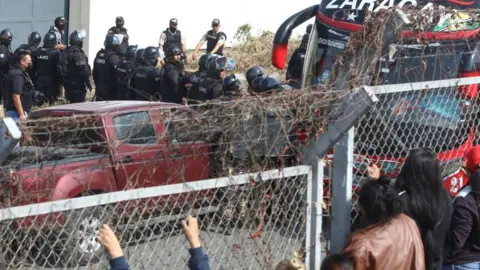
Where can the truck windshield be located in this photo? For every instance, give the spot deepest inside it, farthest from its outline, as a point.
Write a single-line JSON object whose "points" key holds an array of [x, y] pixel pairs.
{"points": [[78, 132]]}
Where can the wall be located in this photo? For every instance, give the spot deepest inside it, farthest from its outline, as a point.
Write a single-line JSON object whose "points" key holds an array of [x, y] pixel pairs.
{"points": [[79, 17], [146, 19]]}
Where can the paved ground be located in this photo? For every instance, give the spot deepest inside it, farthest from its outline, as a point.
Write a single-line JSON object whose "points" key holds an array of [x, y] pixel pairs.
{"points": [[236, 251]]}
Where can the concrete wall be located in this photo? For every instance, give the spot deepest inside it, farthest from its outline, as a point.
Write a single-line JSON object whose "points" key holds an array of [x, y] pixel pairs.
{"points": [[146, 19]]}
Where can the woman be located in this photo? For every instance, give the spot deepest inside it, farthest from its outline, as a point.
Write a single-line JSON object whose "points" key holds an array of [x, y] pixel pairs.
{"points": [[391, 240], [421, 191], [464, 234]]}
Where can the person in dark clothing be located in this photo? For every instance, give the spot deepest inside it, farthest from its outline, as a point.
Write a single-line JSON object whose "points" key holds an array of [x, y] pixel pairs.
{"points": [[172, 80], [253, 73], [59, 30], [139, 60], [172, 37], [119, 29], [463, 238], [104, 65], [20, 90], [296, 63], [198, 259], [77, 79], [33, 42], [6, 58], [146, 81], [212, 86], [194, 79], [106, 237], [124, 72], [215, 40], [50, 68], [420, 187]]}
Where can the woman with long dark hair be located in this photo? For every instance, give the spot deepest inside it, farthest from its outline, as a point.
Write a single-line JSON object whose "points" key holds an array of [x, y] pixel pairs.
{"points": [[421, 191]]}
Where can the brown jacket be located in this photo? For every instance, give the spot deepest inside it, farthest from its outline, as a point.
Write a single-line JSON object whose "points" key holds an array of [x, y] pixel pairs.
{"points": [[395, 245]]}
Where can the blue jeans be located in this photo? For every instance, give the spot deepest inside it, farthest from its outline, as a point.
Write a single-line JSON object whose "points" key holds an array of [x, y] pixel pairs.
{"points": [[14, 115], [466, 266]]}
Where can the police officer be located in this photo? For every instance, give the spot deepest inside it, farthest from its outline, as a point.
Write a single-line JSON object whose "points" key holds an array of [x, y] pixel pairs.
{"points": [[59, 30], [295, 65], [104, 66], [212, 86], [6, 58], [172, 37], [215, 40], [252, 73], [20, 90], [50, 68], [193, 80], [145, 82], [268, 84], [77, 79], [33, 42], [139, 60], [119, 28], [231, 87], [172, 80], [123, 73]]}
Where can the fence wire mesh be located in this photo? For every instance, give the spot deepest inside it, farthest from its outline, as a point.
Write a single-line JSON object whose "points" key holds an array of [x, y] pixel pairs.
{"points": [[83, 150], [396, 48]]}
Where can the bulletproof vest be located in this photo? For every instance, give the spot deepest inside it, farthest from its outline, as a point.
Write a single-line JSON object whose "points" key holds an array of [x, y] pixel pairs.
{"points": [[104, 71], [27, 93], [170, 92], [212, 39], [74, 74], [145, 85], [172, 40], [123, 73], [5, 60], [209, 89], [46, 62]]}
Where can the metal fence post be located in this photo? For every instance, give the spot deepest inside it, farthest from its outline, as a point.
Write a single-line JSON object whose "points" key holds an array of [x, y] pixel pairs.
{"points": [[342, 191], [313, 244]]}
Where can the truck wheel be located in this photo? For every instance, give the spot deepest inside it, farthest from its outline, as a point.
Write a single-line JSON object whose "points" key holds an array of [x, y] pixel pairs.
{"points": [[78, 245]]}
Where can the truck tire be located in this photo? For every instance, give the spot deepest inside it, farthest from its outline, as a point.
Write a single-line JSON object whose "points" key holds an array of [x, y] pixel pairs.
{"points": [[77, 245]]}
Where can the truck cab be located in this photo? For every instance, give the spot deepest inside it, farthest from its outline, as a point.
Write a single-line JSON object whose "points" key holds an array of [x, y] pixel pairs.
{"points": [[440, 119]]}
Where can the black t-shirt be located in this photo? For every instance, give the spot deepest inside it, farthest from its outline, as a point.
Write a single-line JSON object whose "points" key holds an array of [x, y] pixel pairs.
{"points": [[17, 84]]}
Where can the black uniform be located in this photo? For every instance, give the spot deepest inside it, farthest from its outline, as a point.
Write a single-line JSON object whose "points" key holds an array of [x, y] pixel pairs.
{"points": [[212, 40], [172, 40], [172, 84], [194, 80], [33, 51], [104, 74], [120, 30], [19, 82], [295, 65], [208, 89], [77, 79], [145, 82], [124, 72], [6, 57], [50, 69]]}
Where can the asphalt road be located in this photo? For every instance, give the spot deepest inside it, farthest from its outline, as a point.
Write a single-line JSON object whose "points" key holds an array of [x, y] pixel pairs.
{"points": [[235, 251]]}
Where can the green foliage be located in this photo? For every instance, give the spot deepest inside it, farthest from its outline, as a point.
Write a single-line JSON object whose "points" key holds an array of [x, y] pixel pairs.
{"points": [[244, 33]]}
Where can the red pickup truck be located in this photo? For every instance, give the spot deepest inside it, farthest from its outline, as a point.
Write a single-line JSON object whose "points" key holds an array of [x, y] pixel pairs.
{"points": [[99, 147]]}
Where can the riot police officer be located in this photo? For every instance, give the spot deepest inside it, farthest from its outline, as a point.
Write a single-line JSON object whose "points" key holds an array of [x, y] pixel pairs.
{"points": [[215, 40], [104, 66], [123, 73], [119, 28], [172, 37], [193, 80], [256, 85], [172, 83], [33, 42], [20, 90], [212, 86], [139, 60], [252, 73], [231, 87], [50, 68], [145, 83], [6, 58], [77, 79], [59, 30]]}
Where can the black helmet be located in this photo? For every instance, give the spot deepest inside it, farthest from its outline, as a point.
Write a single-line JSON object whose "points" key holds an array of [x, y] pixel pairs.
{"points": [[50, 39], [6, 37], [76, 39], [253, 73], [108, 43], [256, 84], [139, 55], [131, 50], [173, 51], [34, 39], [204, 60], [151, 53], [119, 22], [269, 83], [230, 83], [216, 65]]}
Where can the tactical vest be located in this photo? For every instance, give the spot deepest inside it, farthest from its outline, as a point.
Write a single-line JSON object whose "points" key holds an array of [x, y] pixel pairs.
{"points": [[172, 39], [144, 77], [5, 60], [46, 65], [27, 93], [212, 39]]}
